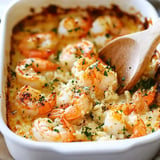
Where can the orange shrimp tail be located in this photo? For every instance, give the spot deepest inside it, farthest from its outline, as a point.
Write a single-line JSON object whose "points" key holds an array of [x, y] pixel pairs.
{"points": [[72, 113], [46, 106], [139, 129], [56, 113], [38, 53], [150, 96], [43, 65], [128, 109], [69, 136]]}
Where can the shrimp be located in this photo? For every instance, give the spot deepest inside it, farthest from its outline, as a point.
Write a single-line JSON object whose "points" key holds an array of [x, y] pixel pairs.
{"points": [[75, 26], [39, 45], [139, 129], [153, 66], [127, 108], [81, 65], [28, 71], [105, 28], [32, 102], [143, 100], [73, 103], [115, 123], [139, 102], [73, 52], [98, 77], [44, 129], [106, 24]]}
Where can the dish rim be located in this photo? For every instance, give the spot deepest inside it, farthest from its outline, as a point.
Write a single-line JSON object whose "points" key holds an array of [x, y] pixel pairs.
{"points": [[111, 146]]}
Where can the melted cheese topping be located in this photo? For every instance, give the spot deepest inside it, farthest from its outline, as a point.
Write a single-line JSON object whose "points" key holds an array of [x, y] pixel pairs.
{"points": [[58, 88]]}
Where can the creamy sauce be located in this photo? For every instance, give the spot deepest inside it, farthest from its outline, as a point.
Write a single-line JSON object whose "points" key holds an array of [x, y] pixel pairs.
{"points": [[58, 88]]}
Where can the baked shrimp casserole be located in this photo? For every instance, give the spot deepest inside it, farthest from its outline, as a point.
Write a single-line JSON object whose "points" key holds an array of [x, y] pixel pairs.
{"points": [[60, 90]]}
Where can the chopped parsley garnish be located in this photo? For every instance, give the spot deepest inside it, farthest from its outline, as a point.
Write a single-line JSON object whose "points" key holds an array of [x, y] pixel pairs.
{"points": [[82, 51], [70, 30], [56, 80], [143, 84], [75, 90], [86, 88], [46, 84], [108, 62], [56, 130], [78, 91], [78, 28], [41, 99], [54, 30], [49, 121], [123, 78], [91, 115], [57, 57], [107, 35], [122, 85], [97, 103], [124, 130], [148, 125], [153, 106], [75, 29], [95, 65], [83, 62], [100, 126], [13, 73], [87, 132], [105, 73], [119, 111], [27, 65]]}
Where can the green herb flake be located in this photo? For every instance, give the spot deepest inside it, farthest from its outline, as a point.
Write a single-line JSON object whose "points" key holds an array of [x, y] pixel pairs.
{"points": [[56, 130], [49, 121], [58, 54], [87, 132], [100, 126], [56, 80], [97, 103], [153, 106], [46, 85], [54, 30], [70, 30], [108, 62], [83, 62], [13, 73], [107, 35], [78, 28], [105, 73], [143, 84], [41, 99], [148, 125], [86, 88], [123, 78], [91, 115]]}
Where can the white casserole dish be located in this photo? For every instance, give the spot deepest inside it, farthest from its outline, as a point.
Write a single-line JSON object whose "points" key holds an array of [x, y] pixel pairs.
{"points": [[143, 148]]}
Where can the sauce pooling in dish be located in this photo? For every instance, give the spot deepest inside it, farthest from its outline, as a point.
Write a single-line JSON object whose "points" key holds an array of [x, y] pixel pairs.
{"points": [[60, 90]]}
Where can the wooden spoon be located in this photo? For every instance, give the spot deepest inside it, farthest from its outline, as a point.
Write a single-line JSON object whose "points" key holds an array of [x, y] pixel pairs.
{"points": [[130, 54]]}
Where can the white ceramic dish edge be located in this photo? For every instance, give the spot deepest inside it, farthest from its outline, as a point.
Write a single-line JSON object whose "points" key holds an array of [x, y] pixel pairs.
{"points": [[141, 148]]}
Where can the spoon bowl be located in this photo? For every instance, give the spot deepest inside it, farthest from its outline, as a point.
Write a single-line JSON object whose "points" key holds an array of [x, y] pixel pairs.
{"points": [[131, 54]]}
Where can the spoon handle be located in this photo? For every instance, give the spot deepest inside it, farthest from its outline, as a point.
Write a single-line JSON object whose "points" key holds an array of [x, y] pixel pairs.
{"points": [[147, 41], [154, 34], [149, 37]]}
